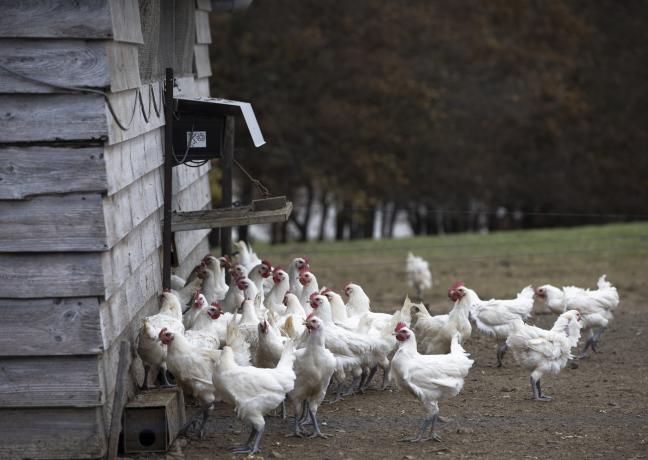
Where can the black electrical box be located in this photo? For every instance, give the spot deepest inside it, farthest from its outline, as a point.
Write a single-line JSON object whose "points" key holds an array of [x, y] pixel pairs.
{"points": [[197, 137]]}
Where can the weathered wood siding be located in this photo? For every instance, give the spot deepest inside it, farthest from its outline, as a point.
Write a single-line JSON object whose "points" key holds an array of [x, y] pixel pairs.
{"points": [[81, 205]]}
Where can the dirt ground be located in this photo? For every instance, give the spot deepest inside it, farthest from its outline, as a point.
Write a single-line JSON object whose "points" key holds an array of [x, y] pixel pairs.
{"points": [[600, 406]]}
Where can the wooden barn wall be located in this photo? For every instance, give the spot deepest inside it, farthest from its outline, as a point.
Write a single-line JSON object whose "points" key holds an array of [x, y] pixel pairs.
{"points": [[81, 200]]}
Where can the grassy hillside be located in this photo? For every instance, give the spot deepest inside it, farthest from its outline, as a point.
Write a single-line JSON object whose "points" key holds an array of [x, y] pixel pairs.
{"points": [[497, 265]]}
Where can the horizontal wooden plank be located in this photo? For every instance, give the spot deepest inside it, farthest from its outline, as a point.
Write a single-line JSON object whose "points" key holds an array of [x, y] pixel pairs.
{"points": [[59, 62], [30, 171], [51, 117], [89, 19], [204, 5], [216, 218], [53, 223], [202, 65], [130, 206], [126, 23], [45, 275], [118, 311], [203, 34], [50, 381], [123, 66], [127, 161], [33, 327], [52, 433]]}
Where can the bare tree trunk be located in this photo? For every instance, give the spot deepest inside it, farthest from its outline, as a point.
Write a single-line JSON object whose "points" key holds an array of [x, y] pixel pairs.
{"points": [[342, 220], [302, 227], [392, 221], [324, 203]]}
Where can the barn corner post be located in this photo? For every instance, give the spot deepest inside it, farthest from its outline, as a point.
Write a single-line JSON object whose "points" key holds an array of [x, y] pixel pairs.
{"points": [[226, 181], [168, 165]]}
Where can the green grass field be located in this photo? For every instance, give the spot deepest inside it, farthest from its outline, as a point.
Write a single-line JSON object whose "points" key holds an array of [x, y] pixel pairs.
{"points": [[496, 265]]}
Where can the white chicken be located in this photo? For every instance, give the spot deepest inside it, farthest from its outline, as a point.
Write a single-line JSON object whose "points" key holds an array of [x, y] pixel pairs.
{"points": [[291, 322], [428, 377], [496, 317], [274, 300], [595, 307], [544, 351], [259, 274], [191, 365], [246, 255], [148, 346], [435, 333], [296, 268], [314, 366], [185, 295], [360, 305], [418, 274], [309, 287], [253, 391], [365, 350], [189, 316]]}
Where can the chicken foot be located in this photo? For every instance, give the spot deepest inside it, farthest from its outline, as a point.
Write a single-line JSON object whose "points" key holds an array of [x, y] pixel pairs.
{"points": [[316, 433], [592, 342], [236, 447], [247, 448], [501, 350], [194, 421], [537, 392], [427, 422]]}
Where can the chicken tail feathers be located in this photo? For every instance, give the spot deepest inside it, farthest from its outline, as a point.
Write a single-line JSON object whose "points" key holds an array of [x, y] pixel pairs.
{"points": [[287, 356]]}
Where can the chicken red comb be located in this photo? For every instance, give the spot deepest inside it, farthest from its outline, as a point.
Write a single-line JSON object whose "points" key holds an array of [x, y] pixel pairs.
{"points": [[215, 304], [326, 291], [305, 260], [456, 285], [206, 257], [197, 294], [400, 326], [310, 316], [162, 331], [266, 263], [313, 295], [166, 290], [303, 270], [277, 269]]}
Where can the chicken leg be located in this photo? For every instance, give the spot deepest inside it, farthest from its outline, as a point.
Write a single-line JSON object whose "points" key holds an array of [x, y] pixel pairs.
{"points": [[591, 343], [501, 350], [427, 422], [316, 433], [236, 447], [370, 377], [247, 448], [537, 392]]}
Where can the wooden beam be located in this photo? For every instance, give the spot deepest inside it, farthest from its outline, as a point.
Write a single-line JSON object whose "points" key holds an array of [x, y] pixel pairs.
{"points": [[31, 171], [60, 62], [52, 117], [45, 275], [202, 66], [34, 327], [89, 19], [204, 5], [52, 433], [217, 218], [50, 381], [203, 34], [53, 223]]}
